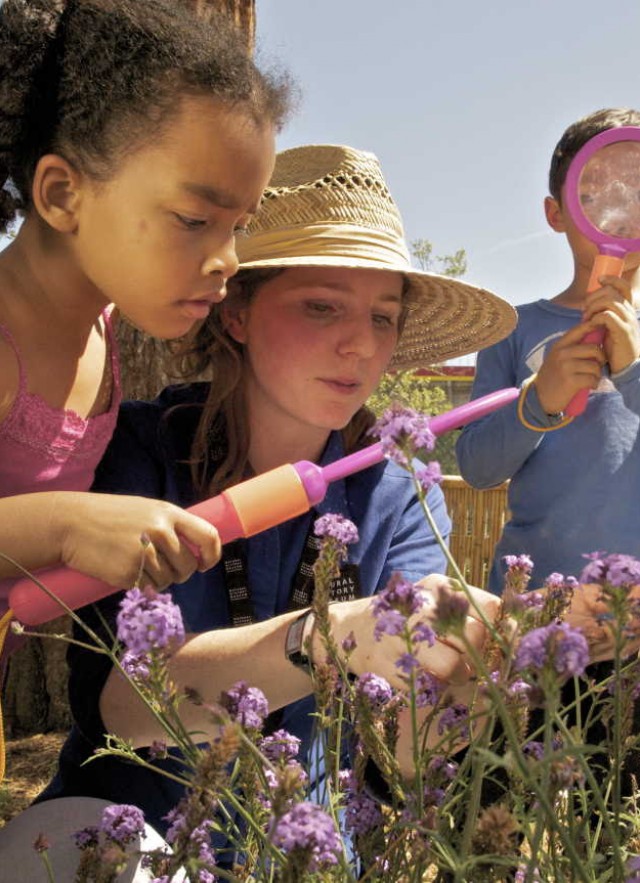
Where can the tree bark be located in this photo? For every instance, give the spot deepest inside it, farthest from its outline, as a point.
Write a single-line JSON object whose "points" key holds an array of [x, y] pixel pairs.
{"points": [[36, 690]]}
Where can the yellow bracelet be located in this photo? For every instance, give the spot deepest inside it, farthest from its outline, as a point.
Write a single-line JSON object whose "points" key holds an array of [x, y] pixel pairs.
{"points": [[521, 399]]}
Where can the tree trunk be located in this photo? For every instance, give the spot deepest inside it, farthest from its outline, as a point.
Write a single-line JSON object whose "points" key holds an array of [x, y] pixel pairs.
{"points": [[36, 689]]}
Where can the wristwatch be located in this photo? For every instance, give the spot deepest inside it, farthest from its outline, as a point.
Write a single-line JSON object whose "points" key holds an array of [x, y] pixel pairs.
{"points": [[295, 641]]}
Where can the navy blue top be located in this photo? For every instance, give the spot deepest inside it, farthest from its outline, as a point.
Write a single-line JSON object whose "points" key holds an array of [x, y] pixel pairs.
{"points": [[147, 456]]}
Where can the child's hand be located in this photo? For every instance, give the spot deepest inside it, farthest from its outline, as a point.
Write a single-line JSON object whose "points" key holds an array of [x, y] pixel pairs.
{"points": [[115, 537], [569, 366], [611, 308]]}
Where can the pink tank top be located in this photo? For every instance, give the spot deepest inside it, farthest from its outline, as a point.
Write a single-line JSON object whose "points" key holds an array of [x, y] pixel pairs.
{"points": [[45, 449]]}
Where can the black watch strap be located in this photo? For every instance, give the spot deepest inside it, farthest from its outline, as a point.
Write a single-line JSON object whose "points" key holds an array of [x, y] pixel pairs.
{"points": [[293, 645]]}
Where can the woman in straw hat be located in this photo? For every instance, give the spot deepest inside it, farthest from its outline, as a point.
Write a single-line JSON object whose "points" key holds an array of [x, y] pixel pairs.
{"points": [[324, 302]]}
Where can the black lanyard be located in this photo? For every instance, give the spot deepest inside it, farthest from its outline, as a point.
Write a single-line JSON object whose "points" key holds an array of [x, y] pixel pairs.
{"points": [[344, 587]]}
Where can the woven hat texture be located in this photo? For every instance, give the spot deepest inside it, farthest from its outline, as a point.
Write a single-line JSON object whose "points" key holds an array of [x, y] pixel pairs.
{"points": [[329, 205]]}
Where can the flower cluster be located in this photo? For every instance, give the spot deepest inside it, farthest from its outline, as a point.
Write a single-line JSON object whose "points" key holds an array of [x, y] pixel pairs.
{"points": [[403, 432], [308, 834], [557, 646], [246, 704], [148, 621]]}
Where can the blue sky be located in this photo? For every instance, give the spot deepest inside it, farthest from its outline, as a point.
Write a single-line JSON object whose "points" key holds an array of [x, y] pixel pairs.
{"points": [[463, 101]]}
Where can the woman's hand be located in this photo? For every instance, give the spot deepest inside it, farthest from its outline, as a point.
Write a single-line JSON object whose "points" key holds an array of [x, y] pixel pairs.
{"points": [[586, 613], [446, 659]]}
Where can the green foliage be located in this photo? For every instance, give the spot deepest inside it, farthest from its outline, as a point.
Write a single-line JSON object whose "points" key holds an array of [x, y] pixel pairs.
{"points": [[422, 394], [449, 264]]}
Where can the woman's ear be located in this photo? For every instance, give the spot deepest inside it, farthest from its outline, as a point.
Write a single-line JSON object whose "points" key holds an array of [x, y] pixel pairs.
{"points": [[56, 192], [234, 321]]}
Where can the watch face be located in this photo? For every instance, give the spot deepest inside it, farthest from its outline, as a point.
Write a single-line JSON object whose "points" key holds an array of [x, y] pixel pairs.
{"points": [[294, 635]]}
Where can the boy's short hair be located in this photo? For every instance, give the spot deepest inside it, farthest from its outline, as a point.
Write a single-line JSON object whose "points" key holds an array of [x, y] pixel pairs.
{"points": [[579, 133]]}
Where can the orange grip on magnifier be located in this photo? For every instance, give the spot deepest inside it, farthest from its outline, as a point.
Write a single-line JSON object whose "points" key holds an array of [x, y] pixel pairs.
{"points": [[603, 265]]}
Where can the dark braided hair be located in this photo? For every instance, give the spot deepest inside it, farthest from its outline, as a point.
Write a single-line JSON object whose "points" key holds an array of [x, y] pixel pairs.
{"points": [[94, 79]]}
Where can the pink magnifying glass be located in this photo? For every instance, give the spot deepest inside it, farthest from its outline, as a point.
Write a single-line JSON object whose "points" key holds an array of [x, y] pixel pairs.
{"points": [[602, 195]]}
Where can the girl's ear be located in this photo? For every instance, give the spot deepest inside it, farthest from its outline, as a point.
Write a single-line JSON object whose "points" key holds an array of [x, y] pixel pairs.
{"points": [[554, 214], [56, 192], [234, 321]]}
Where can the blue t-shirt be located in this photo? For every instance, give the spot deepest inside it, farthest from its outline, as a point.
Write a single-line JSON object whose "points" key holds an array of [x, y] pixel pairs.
{"points": [[147, 456], [573, 490]]}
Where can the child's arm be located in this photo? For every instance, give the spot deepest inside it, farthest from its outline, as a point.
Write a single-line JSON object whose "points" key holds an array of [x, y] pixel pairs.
{"points": [[495, 448], [491, 450], [100, 534]]}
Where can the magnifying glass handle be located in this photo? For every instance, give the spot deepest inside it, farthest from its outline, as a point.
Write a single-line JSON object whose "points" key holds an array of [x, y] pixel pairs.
{"points": [[603, 265]]}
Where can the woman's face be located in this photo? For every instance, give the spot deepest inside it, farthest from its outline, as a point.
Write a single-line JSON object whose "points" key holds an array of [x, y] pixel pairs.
{"points": [[316, 341]]}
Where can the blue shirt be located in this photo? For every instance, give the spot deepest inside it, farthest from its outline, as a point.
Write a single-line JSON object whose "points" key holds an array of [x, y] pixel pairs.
{"points": [[573, 490], [147, 456]]}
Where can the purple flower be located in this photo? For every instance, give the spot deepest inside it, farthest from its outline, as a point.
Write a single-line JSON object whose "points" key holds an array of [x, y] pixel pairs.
{"points": [[149, 620], [246, 704], [177, 823], [399, 594], [375, 688], [87, 837], [280, 745], [349, 643], [389, 622], [403, 432], [618, 570], [422, 633], [430, 475], [455, 717], [362, 813], [407, 663], [135, 666], [534, 749], [451, 610], [337, 527], [307, 828], [122, 823], [558, 645], [442, 769], [632, 869], [520, 563], [428, 689]]}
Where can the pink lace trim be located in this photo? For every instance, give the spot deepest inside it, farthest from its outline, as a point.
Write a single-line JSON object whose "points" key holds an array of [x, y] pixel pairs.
{"points": [[32, 422]]}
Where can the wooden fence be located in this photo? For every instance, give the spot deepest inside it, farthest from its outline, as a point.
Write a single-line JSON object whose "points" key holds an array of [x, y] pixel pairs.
{"points": [[477, 518]]}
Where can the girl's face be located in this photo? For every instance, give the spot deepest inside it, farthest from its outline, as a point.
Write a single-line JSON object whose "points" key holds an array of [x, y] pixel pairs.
{"points": [[158, 237], [316, 343]]}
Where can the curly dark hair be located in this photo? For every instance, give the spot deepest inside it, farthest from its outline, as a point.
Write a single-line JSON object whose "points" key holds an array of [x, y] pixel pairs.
{"points": [[577, 135], [94, 79]]}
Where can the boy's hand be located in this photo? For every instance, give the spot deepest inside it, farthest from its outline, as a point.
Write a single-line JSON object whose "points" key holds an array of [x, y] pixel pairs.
{"points": [[611, 308], [569, 366]]}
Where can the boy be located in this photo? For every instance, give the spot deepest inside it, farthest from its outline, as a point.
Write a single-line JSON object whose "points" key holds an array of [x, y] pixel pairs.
{"points": [[573, 485]]}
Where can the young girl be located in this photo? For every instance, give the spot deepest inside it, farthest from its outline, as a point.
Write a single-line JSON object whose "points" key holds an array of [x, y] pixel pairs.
{"points": [[325, 301], [136, 141]]}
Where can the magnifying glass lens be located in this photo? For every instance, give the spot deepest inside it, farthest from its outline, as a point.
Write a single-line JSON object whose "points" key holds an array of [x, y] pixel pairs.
{"points": [[609, 189]]}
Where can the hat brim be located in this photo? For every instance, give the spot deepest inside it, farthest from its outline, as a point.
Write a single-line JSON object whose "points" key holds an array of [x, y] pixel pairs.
{"points": [[447, 317]]}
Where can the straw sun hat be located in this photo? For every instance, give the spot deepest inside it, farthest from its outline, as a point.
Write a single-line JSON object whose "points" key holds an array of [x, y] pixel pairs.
{"points": [[329, 206]]}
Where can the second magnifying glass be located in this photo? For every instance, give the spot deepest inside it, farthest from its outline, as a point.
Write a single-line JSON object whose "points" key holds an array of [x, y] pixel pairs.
{"points": [[602, 195]]}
